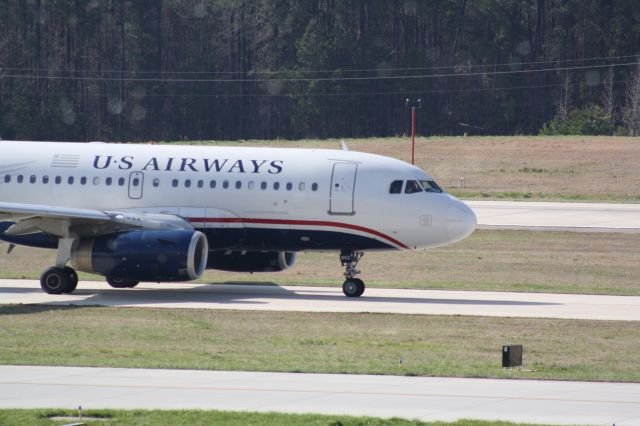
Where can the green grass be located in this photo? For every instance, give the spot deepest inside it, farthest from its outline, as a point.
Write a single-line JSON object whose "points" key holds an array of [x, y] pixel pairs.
{"points": [[318, 342], [42, 417]]}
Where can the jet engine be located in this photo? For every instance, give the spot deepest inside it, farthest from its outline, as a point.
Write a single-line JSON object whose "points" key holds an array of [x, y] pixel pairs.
{"points": [[143, 255], [252, 261]]}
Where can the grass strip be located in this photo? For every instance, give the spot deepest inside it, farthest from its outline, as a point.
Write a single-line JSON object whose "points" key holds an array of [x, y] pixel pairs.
{"points": [[56, 417], [318, 342]]}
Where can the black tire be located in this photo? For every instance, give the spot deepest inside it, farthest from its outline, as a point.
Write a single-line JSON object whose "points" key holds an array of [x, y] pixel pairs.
{"points": [[121, 283], [73, 279], [353, 287], [57, 281]]}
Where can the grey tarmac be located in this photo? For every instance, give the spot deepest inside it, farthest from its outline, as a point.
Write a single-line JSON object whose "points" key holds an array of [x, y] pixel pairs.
{"points": [[545, 216], [425, 398], [331, 299]]}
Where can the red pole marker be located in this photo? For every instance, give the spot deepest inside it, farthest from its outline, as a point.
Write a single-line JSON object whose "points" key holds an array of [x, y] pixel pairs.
{"points": [[413, 134]]}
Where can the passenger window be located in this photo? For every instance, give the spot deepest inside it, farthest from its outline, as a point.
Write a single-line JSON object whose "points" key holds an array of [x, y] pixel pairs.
{"points": [[251, 185], [263, 185], [396, 187], [121, 181], [7, 178], [276, 185], [412, 187], [83, 180], [156, 182], [108, 181], [289, 186], [238, 184], [32, 179], [45, 179], [225, 184], [96, 180], [70, 180], [314, 187], [212, 184], [174, 183], [187, 183], [301, 186], [200, 183], [58, 180], [20, 178]]}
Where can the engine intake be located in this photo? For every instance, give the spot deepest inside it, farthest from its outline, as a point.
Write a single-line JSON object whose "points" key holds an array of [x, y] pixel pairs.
{"points": [[143, 255], [252, 261]]}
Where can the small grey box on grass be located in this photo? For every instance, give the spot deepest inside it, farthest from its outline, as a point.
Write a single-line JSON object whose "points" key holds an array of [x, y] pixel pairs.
{"points": [[512, 355]]}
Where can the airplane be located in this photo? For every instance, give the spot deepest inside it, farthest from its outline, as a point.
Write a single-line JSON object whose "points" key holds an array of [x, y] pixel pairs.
{"points": [[162, 213]]}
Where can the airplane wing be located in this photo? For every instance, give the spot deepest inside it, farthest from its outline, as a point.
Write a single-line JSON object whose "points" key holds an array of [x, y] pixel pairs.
{"points": [[65, 221], [16, 210]]}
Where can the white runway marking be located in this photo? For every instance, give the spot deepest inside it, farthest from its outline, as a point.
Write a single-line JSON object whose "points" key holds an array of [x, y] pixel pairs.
{"points": [[587, 217], [331, 299], [425, 398]]}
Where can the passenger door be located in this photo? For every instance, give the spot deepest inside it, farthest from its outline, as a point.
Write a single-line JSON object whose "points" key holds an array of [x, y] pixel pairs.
{"points": [[343, 186]]}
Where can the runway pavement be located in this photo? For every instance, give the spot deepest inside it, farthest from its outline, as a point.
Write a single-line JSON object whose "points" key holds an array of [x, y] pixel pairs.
{"points": [[423, 398], [331, 299], [585, 217]]}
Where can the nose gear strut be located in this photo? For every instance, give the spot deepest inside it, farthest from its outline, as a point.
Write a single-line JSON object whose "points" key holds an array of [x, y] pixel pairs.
{"points": [[352, 287]]}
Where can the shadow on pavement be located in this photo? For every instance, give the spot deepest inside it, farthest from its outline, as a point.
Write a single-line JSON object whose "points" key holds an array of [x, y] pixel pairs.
{"points": [[247, 294]]}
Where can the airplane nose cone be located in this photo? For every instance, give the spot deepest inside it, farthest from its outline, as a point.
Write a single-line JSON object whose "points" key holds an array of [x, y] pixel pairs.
{"points": [[461, 221]]}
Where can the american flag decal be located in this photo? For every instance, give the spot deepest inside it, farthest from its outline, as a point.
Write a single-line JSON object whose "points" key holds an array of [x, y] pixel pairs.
{"points": [[65, 160]]}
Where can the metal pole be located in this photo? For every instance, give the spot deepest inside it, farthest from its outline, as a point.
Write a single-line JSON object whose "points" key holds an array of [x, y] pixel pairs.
{"points": [[413, 105], [413, 134]]}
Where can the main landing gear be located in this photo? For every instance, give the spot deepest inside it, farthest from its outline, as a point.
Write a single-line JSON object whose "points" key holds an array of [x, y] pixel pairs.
{"points": [[352, 287], [60, 278], [121, 283], [57, 280]]}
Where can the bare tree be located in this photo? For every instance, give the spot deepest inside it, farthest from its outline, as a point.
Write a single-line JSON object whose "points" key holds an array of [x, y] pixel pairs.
{"points": [[608, 97], [631, 113], [564, 102]]}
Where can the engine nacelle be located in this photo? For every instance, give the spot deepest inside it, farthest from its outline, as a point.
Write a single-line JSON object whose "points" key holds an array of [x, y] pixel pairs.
{"points": [[252, 261], [143, 255]]}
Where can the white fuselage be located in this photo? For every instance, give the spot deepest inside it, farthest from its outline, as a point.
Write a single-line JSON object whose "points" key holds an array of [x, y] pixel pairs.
{"points": [[244, 198]]}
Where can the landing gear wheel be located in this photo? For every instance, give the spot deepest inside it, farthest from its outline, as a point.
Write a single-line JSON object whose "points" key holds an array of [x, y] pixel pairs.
{"points": [[73, 278], [121, 283], [59, 280], [353, 287]]}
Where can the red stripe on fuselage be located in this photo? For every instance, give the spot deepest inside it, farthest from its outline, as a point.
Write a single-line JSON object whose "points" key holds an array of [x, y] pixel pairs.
{"points": [[300, 222]]}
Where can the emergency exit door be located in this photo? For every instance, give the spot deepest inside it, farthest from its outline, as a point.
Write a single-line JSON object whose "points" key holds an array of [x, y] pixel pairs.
{"points": [[343, 186], [136, 180]]}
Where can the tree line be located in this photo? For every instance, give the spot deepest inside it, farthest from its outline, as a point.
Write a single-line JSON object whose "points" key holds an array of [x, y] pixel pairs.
{"points": [[239, 69]]}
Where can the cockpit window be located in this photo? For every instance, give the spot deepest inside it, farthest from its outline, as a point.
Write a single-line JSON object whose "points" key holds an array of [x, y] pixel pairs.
{"points": [[431, 186], [412, 187], [396, 187]]}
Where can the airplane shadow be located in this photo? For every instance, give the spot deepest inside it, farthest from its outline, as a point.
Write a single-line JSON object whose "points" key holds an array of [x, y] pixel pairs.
{"points": [[248, 294], [36, 309]]}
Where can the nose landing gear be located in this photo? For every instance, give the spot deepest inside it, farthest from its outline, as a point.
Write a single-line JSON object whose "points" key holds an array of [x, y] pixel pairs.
{"points": [[352, 287]]}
